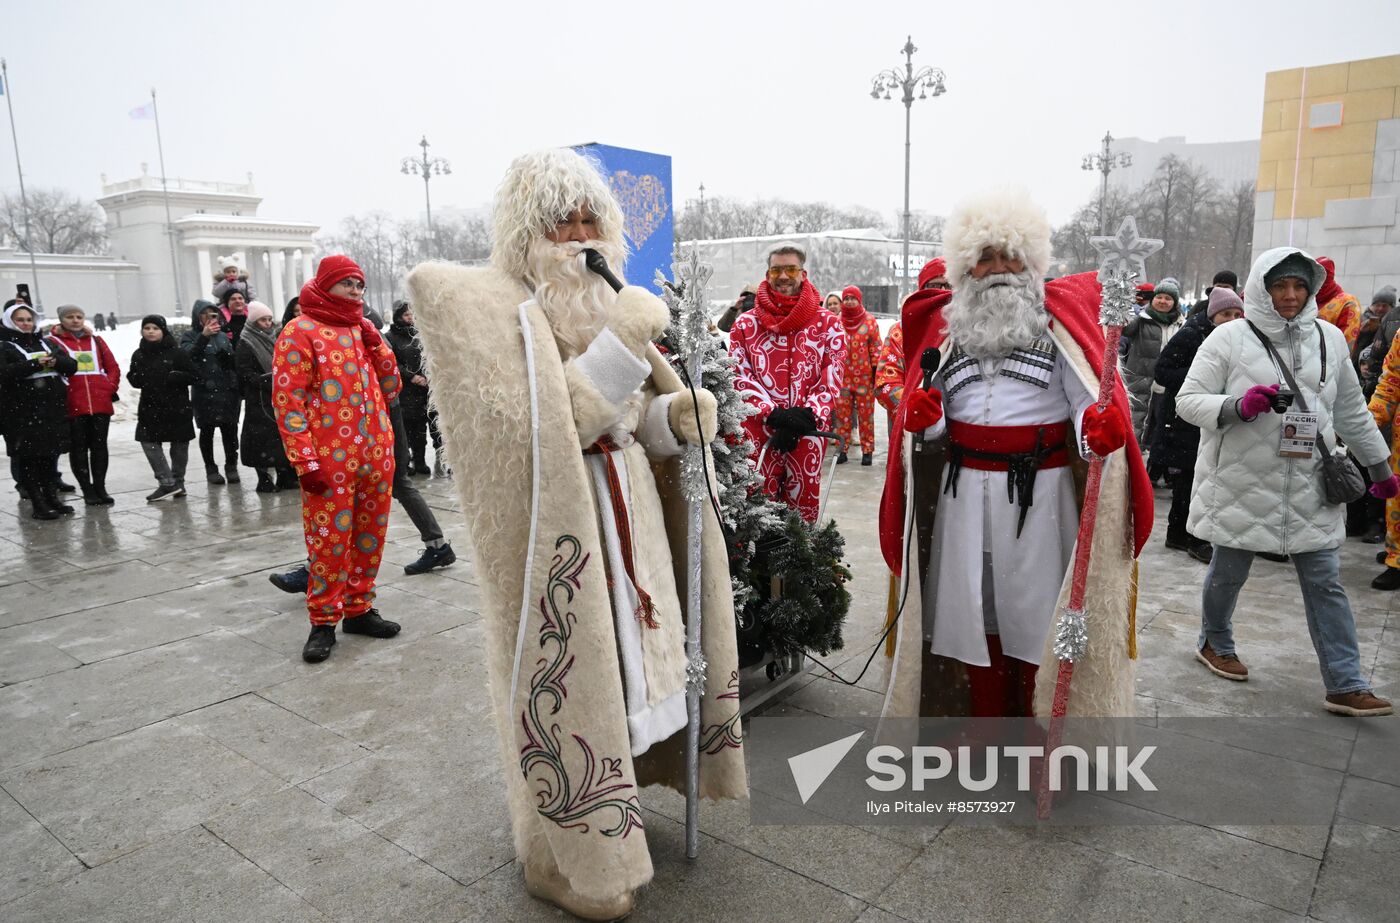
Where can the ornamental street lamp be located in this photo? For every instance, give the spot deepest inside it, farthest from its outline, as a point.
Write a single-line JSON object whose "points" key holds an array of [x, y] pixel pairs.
{"points": [[426, 167], [927, 80], [1105, 161]]}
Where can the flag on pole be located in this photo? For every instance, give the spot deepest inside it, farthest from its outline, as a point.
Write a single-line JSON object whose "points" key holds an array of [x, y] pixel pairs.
{"points": [[148, 111]]}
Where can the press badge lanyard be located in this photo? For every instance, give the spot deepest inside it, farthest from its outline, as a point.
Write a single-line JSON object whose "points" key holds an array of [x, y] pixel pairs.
{"points": [[1306, 433], [50, 373], [88, 360]]}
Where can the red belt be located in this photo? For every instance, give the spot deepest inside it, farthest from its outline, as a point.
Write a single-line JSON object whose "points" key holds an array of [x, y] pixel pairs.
{"points": [[646, 609], [1020, 451], [992, 448]]}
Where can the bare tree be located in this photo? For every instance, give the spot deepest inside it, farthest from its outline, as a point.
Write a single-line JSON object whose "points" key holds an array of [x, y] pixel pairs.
{"points": [[1203, 229], [59, 222], [922, 226], [767, 218], [387, 249]]}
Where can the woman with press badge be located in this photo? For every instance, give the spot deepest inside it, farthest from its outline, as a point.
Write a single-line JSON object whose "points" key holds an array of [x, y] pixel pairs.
{"points": [[1273, 397]]}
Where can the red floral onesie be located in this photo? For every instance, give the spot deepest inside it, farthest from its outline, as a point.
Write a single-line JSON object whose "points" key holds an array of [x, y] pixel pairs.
{"points": [[856, 402], [790, 359], [331, 395], [889, 372]]}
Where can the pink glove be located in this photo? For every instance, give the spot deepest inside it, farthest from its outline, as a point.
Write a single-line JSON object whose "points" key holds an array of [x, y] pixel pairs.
{"points": [[1384, 490], [1258, 399]]}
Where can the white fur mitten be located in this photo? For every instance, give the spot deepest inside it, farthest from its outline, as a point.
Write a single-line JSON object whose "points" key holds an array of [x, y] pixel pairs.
{"points": [[637, 318], [682, 417]]}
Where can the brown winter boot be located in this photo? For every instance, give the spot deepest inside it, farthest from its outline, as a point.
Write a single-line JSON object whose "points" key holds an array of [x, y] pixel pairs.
{"points": [[555, 890], [1362, 704]]}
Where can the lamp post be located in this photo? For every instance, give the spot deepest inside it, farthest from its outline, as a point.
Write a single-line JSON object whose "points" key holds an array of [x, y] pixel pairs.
{"points": [[926, 79], [1105, 161], [701, 234], [426, 167]]}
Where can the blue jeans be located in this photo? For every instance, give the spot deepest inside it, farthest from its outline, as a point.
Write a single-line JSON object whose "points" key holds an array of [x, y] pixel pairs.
{"points": [[1330, 621]]}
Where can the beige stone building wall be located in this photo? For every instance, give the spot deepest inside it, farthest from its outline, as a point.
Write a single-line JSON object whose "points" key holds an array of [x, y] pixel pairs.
{"points": [[1329, 176]]}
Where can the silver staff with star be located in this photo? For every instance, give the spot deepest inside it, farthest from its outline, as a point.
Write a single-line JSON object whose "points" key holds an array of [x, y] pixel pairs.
{"points": [[1122, 261]]}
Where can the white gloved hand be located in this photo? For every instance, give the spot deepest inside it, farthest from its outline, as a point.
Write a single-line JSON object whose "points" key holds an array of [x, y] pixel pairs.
{"points": [[637, 317], [681, 415]]}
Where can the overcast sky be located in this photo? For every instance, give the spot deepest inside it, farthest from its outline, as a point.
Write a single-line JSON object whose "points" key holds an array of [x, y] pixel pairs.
{"points": [[320, 101]]}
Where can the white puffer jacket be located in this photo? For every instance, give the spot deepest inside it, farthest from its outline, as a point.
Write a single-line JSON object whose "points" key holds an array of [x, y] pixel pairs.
{"points": [[1245, 495]]}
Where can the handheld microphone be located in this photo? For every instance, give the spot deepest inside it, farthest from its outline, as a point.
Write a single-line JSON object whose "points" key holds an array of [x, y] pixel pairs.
{"points": [[929, 363], [598, 265]]}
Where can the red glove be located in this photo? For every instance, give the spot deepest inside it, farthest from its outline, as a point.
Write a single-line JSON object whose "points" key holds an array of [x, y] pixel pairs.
{"points": [[1384, 490], [923, 409], [370, 334], [1105, 430], [315, 482]]}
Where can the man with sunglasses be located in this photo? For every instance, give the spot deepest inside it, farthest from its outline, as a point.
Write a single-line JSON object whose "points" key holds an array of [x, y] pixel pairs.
{"points": [[789, 357]]}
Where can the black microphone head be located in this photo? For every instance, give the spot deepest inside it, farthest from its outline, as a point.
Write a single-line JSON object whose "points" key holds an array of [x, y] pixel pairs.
{"points": [[595, 261], [929, 360]]}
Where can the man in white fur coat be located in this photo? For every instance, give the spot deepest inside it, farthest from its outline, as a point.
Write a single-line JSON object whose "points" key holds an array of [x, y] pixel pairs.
{"points": [[988, 487], [565, 426]]}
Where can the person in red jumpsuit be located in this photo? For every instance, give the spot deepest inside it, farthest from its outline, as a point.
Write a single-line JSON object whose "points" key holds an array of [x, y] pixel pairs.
{"points": [[332, 379], [789, 357], [856, 402], [889, 371]]}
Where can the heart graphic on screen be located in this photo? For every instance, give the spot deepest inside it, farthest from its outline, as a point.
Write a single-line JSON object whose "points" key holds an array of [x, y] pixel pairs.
{"points": [[643, 201]]}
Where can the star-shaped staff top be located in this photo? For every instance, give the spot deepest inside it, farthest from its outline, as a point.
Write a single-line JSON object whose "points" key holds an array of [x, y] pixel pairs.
{"points": [[1124, 252]]}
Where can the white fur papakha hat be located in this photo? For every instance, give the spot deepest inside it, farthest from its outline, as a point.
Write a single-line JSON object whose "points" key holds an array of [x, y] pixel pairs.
{"points": [[1003, 218]]}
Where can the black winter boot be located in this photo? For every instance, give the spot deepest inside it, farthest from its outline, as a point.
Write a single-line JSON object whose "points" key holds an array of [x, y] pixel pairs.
{"points": [[841, 459], [212, 475], [431, 558], [318, 643], [40, 508], [50, 492], [231, 474], [265, 483], [287, 479], [867, 459], [1389, 579], [371, 624], [103, 498], [293, 581]]}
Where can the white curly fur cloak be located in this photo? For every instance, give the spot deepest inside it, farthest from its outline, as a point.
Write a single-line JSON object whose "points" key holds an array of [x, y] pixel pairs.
{"points": [[570, 778], [1003, 218]]}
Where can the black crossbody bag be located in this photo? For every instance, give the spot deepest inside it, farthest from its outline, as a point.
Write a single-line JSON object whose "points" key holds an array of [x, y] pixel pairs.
{"points": [[1342, 481]]}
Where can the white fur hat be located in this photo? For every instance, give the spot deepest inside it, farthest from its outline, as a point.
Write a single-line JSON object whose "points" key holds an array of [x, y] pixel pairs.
{"points": [[1003, 218], [226, 262], [538, 189]]}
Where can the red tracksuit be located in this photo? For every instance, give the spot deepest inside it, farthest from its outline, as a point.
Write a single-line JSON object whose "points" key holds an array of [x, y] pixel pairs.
{"points": [[856, 402], [331, 394], [799, 369]]}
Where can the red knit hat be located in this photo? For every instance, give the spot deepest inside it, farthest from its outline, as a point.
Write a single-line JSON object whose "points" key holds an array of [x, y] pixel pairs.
{"points": [[1146, 288], [935, 268], [336, 267], [851, 291]]}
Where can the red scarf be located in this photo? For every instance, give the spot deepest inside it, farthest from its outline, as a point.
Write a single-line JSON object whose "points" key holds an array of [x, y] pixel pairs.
{"points": [[851, 317], [1330, 289], [779, 313], [318, 303]]}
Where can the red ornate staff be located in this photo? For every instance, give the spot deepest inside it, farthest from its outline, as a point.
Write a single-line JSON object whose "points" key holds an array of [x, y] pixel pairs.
{"points": [[1122, 260]]}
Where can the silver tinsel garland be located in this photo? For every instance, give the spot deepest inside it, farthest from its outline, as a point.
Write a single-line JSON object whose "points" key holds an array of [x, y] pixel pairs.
{"points": [[1071, 636]]}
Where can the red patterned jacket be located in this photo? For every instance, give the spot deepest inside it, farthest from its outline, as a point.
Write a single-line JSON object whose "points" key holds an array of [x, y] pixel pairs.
{"points": [[800, 369], [331, 394]]}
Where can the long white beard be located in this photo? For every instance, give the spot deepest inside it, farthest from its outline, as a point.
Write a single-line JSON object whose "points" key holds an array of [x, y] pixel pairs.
{"points": [[990, 317], [573, 298]]}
